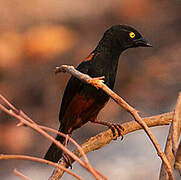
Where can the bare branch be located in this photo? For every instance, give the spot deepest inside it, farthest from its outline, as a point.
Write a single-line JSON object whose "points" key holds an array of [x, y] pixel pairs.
{"points": [[17, 173], [23, 157], [24, 119], [101, 139], [21, 113], [79, 149], [178, 160], [172, 139], [176, 135], [99, 84], [104, 138], [169, 155], [176, 125], [129, 127]]}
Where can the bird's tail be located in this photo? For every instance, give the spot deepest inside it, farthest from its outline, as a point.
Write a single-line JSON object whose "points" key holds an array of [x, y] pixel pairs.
{"points": [[54, 153]]}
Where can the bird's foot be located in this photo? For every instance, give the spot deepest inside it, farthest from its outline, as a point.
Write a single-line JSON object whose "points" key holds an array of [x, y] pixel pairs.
{"points": [[117, 127], [67, 160], [114, 127]]}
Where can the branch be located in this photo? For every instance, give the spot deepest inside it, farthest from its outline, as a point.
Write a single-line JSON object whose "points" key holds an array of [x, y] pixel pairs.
{"points": [[104, 138], [79, 149], [178, 160], [98, 83], [176, 135], [17, 173], [172, 139], [24, 119], [176, 125], [95, 142], [23, 157], [170, 156]]}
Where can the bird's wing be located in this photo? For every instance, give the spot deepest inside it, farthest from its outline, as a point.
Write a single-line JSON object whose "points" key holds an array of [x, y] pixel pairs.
{"points": [[73, 87]]}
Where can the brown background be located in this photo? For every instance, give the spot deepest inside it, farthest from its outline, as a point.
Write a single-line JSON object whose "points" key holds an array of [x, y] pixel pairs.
{"points": [[36, 36]]}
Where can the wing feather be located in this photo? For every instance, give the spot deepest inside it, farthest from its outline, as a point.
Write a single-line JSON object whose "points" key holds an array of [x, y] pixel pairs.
{"points": [[74, 86]]}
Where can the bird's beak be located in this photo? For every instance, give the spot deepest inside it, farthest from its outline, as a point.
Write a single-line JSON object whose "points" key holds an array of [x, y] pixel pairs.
{"points": [[143, 42]]}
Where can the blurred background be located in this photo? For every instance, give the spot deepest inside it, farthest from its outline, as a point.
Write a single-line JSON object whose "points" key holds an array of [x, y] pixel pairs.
{"points": [[36, 36]]}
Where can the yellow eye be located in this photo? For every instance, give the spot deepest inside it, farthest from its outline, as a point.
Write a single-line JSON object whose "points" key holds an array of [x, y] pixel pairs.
{"points": [[131, 34]]}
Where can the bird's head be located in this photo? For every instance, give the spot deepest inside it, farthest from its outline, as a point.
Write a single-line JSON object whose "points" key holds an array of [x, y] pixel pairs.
{"points": [[124, 37]]}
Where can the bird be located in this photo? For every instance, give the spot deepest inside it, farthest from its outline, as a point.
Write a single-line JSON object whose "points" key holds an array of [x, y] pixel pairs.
{"points": [[81, 102]]}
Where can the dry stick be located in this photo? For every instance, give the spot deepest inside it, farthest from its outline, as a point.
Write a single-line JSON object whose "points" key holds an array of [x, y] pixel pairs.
{"points": [[169, 155], [42, 132], [21, 113], [69, 139], [23, 157], [34, 126], [79, 148], [177, 165], [176, 135], [162, 118], [17, 173], [24, 116], [17, 111], [9, 104], [176, 125], [106, 137], [98, 83], [172, 139]]}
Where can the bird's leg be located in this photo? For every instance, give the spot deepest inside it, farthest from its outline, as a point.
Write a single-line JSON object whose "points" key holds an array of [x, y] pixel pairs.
{"points": [[66, 157], [114, 127]]}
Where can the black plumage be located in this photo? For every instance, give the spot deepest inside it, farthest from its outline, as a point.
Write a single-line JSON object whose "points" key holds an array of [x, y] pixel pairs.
{"points": [[82, 102]]}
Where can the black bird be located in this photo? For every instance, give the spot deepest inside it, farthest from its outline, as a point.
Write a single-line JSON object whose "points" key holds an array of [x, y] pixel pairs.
{"points": [[82, 102]]}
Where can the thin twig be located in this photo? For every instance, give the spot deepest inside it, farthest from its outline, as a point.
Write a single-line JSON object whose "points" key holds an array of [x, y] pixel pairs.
{"points": [[17, 111], [23, 157], [42, 132], [169, 155], [35, 127], [162, 119], [21, 113], [99, 84], [69, 139], [17, 173], [172, 139], [176, 125], [177, 165], [24, 119], [104, 138], [176, 135], [79, 148], [9, 104]]}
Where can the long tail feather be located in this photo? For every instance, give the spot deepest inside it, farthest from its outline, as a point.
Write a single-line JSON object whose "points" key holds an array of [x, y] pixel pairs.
{"points": [[54, 153]]}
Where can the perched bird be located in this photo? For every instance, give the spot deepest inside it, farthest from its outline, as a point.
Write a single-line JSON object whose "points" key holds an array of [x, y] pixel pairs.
{"points": [[82, 102]]}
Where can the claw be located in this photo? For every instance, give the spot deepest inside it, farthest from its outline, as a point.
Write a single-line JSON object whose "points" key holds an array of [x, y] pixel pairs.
{"points": [[118, 128], [113, 131], [67, 160], [121, 127]]}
